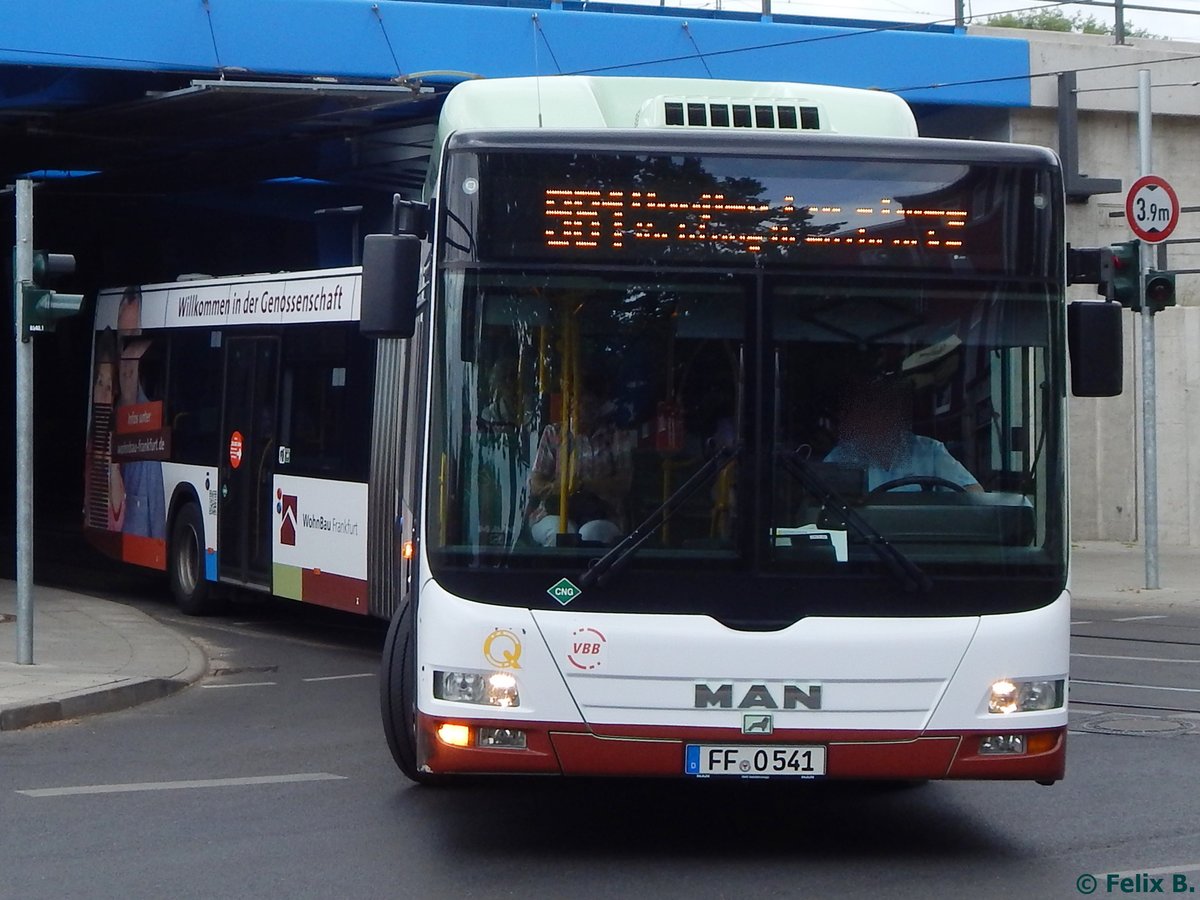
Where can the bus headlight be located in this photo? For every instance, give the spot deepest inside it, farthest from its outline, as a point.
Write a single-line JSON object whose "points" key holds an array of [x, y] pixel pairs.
{"points": [[1009, 695], [483, 688]]}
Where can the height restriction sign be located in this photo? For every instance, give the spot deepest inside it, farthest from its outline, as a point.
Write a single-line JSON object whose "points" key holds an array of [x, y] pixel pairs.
{"points": [[1152, 209]]}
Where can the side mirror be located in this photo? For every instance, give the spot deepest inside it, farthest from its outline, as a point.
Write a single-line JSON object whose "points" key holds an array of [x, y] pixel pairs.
{"points": [[391, 281], [1097, 355]]}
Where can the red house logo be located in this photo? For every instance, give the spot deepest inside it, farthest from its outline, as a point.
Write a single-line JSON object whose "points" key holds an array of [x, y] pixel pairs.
{"points": [[287, 526]]}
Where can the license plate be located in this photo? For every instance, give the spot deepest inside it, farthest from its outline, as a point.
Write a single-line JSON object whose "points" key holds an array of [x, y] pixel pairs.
{"points": [[755, 760]]}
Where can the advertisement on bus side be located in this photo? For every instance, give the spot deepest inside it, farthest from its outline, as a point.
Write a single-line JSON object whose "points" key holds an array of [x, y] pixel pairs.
{"points": [[320, 552]]}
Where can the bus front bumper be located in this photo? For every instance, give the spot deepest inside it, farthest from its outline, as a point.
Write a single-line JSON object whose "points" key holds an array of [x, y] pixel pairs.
{"points": [[463, 746]]}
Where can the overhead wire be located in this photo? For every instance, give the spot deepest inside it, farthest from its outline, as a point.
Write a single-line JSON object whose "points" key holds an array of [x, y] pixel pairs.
{"points": [[703, 56]]}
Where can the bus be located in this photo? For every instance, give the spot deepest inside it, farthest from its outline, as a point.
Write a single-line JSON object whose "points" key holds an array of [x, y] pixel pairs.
{"points": [[641, 542], [589, 426], [230, 438]]}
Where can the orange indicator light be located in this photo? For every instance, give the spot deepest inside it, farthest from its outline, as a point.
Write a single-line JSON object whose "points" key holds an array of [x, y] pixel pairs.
{"points": [[454, 735]]}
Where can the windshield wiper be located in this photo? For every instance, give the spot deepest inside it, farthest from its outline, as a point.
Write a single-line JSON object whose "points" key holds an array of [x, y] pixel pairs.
{"points": [[601, 571], [910, 576]]}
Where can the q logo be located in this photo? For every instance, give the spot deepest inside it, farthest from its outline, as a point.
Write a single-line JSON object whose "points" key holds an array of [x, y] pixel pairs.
{"points": [[503, 649]]}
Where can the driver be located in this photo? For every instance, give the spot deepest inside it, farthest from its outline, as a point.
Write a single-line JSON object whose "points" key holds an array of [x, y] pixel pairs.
{"points": [[875, 435]]}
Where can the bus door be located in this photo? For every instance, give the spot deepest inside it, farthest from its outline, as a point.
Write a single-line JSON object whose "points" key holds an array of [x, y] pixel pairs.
{"points": [[245, 516]]}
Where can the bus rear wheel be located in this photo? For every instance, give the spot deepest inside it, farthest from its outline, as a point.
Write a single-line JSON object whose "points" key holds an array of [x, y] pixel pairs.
{"points": [[185, 565], [398, 695]]}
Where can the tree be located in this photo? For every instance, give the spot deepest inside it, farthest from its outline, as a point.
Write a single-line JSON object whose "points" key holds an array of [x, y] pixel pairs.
{"points": [[1057, 20]]}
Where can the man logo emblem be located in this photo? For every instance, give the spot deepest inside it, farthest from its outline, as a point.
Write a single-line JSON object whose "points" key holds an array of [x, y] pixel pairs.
{"points": [[757, 725]]}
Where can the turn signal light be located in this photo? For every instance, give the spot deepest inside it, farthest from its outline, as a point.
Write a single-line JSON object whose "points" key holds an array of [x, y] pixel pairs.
{"points": [[454, 735]]}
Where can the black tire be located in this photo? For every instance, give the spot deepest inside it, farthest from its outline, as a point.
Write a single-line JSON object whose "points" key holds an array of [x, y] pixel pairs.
{"points": [[185, 565], [398, 695]]}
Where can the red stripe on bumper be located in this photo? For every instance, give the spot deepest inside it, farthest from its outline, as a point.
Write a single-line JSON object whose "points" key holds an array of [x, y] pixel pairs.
{"points": [[569, 750]]}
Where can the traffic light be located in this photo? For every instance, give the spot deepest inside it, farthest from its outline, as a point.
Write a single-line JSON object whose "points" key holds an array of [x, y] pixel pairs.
{"points": [[41, 306], [1120, 274], [1160, 290]]}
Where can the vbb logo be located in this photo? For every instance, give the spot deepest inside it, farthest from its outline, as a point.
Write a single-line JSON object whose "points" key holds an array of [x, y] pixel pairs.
{"points": [[587, 649]]}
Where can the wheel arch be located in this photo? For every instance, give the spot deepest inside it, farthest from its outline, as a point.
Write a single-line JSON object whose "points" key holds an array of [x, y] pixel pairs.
{"points": [[184, 493]]}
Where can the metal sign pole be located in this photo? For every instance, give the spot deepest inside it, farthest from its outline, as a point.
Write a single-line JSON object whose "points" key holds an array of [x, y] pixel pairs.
{"points": [[22, 274], [1149, 417]]}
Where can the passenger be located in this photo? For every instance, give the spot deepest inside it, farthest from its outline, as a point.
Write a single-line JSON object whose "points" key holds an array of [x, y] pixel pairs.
{"points": [[875, 435], [502, 412], [599, 481]]}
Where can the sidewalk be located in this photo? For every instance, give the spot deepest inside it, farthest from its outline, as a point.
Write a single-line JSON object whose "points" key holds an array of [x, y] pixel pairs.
{"points": [[1114, 575], [92, 656], [89, 656]]}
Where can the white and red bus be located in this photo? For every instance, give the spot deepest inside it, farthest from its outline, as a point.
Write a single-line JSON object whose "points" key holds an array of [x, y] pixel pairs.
{"points": [[582, 427], [666, 295], [230, 436]]}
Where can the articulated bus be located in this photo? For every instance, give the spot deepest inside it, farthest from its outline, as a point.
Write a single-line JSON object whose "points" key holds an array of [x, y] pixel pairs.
{"points": [[230, 437], [684, 429]]}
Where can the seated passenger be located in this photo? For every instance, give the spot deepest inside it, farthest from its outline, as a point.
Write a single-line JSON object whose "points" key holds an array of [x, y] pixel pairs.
{"points": [[599, 478], [875, 435]]}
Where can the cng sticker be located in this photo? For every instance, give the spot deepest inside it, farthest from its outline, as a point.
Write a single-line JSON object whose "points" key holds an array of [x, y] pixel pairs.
{"points": [[563, 591]]}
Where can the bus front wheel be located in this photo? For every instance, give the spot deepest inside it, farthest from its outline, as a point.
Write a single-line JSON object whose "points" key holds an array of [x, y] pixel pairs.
{"points": [[185, 565], [398, 695]]}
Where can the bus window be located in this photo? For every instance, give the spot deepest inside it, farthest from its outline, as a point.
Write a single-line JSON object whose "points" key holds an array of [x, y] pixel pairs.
{"points": [[194, 395], [603, 394], [325, 402]]}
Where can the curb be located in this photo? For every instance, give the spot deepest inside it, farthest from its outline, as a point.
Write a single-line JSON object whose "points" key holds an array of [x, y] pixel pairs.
{"points": [[110, 698]]}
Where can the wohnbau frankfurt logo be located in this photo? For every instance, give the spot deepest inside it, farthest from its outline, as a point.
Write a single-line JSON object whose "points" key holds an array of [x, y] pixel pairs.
{"points": [[286, 506]]}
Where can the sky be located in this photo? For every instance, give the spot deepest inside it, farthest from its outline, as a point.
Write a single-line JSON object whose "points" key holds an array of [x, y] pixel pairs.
{"points": [[1180, 26]]}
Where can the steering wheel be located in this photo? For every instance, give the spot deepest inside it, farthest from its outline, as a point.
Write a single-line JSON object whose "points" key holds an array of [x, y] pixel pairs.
{"points": [[927, 483]]}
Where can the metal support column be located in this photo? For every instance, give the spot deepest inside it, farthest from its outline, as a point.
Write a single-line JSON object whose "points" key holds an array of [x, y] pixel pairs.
{"points": [[1149, 412], [23, 273]]}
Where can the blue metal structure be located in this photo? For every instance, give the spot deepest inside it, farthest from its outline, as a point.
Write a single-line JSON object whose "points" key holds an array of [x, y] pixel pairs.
{"points": [[223, 136], [440, 42]]}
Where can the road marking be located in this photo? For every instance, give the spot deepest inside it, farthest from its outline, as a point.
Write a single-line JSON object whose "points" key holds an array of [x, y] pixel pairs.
{"points": [[1136, 658], [1138, 618], [1081, 622], [341, 677], [180, 785], [1142, 687], [240, 684]]}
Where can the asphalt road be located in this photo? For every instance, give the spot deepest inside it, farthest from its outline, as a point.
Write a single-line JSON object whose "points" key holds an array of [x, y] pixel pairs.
{"points": [[271, 778]]}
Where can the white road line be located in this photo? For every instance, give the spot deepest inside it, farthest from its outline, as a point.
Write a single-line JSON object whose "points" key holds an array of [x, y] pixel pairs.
{"points": [[180, 785], [1141, 687], [341, 677], [1081, 622], [1162, 659], [1138, 618], [240, 684]]}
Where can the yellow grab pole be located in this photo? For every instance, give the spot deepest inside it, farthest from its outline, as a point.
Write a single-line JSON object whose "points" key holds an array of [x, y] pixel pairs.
{"points": [[567, 425]]}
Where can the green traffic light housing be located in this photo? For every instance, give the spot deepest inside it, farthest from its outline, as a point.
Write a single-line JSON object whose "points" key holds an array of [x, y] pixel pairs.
{"points": [[42, 307], [1120, 274], [1160, 290]]}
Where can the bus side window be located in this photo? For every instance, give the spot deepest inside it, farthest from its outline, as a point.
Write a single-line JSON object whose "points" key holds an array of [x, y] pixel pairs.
{"points": [[194, 396], [325, 402]]}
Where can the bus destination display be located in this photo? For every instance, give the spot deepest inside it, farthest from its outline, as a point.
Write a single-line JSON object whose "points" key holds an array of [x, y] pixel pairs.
{"points": [[613, 220], [953, 217]]}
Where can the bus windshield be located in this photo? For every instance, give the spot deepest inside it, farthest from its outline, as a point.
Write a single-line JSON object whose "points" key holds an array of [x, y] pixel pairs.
{"points": [[871, 419]]}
